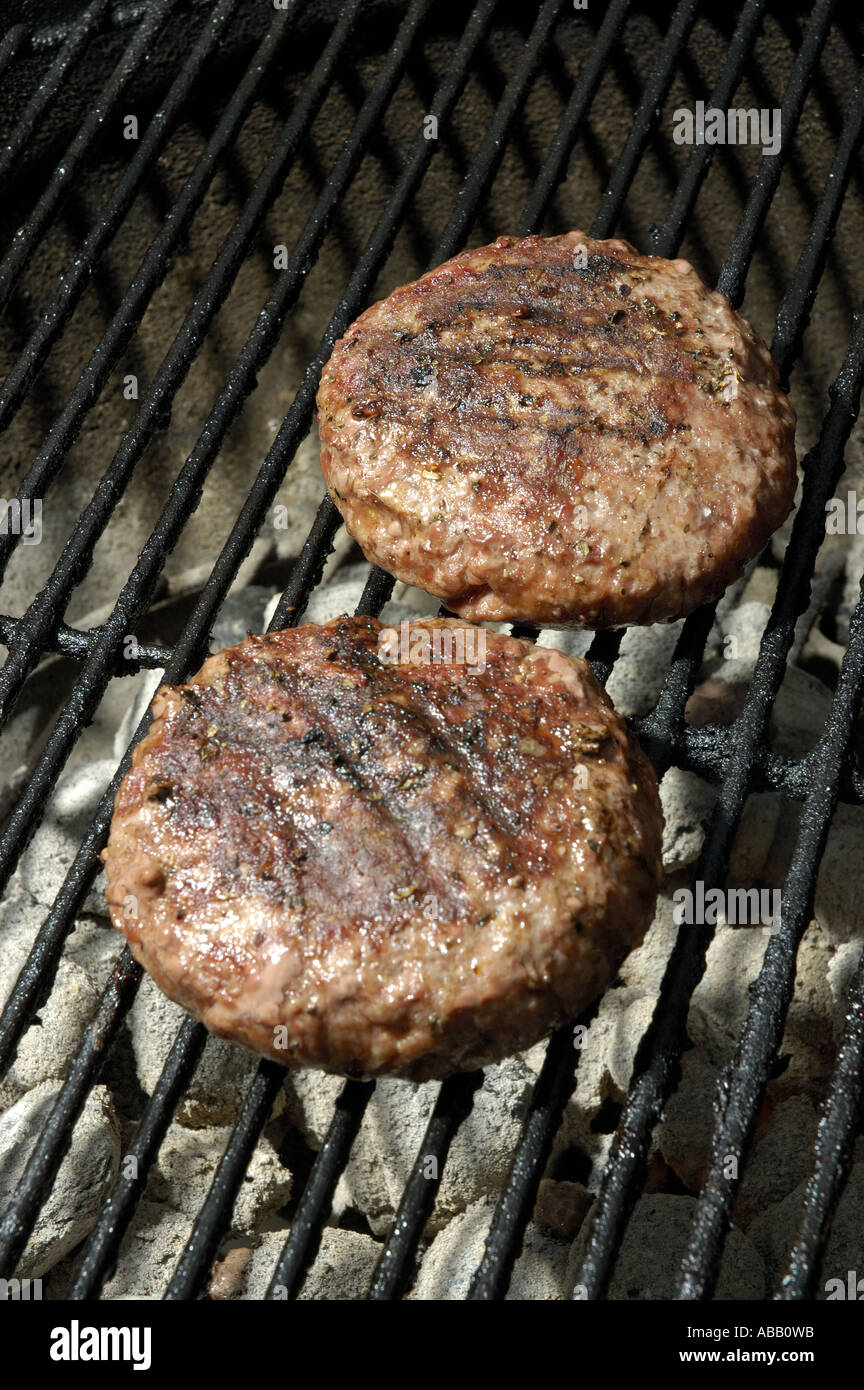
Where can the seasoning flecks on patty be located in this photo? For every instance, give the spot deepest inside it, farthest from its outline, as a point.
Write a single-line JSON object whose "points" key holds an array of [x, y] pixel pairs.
{"points": [[379, 866], [558, 430]]}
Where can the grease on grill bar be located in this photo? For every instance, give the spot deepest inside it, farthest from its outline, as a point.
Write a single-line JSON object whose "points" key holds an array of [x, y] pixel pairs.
{"points": [[555, 76]]}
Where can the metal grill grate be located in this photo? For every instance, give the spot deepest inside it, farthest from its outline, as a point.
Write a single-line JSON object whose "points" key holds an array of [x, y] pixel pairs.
{"points": [[738, 759]]}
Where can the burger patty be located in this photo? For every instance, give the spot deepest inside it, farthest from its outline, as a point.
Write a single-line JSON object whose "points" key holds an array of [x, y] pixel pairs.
{"points": [[385, 859], [558, 430]]}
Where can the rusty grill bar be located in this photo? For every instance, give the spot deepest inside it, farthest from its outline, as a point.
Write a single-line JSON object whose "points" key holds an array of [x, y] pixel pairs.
{"points": [[736, 759]]}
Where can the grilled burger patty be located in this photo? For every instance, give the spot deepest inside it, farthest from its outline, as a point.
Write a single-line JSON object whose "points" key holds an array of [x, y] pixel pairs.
{"points": [[558, 430], [349, 860]]}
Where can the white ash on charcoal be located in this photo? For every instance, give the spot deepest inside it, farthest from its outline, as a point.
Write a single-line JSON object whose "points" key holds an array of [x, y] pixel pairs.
{"points": [[48, 858], [841, 973], [721, 1001], [641, 668], [393, 1128], [179, 1179], [687, 806], [450, 1263], [84, 1177], [773, 1230], [220, 1083], [645, 967], [802, 704], [149, 1252], [684, 1136], [46, 1049], [778, 1159], [653, 1247], [186, 1164], [341, 1271]]}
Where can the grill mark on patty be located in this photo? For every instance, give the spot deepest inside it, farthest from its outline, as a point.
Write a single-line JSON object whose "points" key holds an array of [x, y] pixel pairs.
{"points": [[444, 739], [480, 375], [657, 426], [323, 749], [282, 877], [419, 836]]}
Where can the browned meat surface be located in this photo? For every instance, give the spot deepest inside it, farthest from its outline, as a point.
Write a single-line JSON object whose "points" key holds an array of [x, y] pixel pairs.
{"points": [[532, 437], [384, 867]]}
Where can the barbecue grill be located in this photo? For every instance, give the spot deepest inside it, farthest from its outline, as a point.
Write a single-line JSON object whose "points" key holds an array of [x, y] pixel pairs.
{"points": [[282, 167]]}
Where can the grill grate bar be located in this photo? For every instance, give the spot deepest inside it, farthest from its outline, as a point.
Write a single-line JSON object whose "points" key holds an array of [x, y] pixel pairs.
{"points": [[54, 1141], [74, 642], [216, 1211], [831, 1151], [58, 312], [10, 45], [743, 1084], [56, 926], [703, 750], [42, 960], [794, 313], [317, 223], [28, 236], [584, 90], [519, 1193], [46, 93], [646, 117], [104, 1240], [736, 756], [317, 1197], [298, 1252], [66, 428], [452, 1106], [699, 159], [515, 1201], [241, 381], [707, 750], [606, 645], [660, 1048], [734, 272], [656, 1060]]}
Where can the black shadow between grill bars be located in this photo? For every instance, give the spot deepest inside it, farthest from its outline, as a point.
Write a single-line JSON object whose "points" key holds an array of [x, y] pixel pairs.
{"points": [[157, 401], [56, 315], [80, 34], [83, 143]]}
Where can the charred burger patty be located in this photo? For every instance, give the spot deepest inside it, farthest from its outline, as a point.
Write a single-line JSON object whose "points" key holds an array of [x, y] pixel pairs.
{"points": [[405, 859], [558, 430]]}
